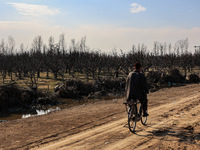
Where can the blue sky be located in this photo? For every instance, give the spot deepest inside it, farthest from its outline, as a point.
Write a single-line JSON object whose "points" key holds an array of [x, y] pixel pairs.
{"points": [[107, 24]]}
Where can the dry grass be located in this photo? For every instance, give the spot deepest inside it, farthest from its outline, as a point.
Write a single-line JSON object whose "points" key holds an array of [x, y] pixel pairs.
{"points": [[48, 84], [44, 83]]}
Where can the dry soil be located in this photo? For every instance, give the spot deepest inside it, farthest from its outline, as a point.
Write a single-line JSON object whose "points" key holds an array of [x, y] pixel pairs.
{"points": [[174, 123]]}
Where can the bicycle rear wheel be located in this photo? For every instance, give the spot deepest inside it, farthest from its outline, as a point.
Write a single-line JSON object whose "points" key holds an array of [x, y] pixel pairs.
{"points": [[131, 119]]}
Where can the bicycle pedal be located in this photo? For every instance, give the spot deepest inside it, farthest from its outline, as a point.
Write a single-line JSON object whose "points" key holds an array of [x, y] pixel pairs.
{"points": [[138, 119]]}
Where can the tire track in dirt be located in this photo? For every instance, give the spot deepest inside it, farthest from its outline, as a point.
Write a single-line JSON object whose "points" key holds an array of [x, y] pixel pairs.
{"points": [[159, 127], [73, 131], [164, 120], [174, 129]]}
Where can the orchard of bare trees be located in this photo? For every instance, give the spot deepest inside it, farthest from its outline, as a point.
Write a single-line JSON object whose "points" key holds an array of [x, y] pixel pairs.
{"points": [[48, 64], [58, 58]]}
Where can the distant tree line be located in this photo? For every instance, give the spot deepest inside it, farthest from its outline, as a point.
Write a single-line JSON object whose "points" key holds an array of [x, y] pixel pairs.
{"points": [[59, 59]]}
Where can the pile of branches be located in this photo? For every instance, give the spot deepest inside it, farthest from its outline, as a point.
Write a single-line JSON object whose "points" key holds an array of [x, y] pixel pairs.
{"points": [[77, 89], [112, 85], [157, 79], [74, 89], [162, 78], [176, 77], [193, 78]]}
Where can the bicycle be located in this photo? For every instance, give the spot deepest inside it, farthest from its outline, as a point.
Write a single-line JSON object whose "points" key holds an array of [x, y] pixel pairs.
{"points": [[134, 115]]}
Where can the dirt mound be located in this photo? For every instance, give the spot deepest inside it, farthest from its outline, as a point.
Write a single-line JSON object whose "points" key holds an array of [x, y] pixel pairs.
{"points": [[15, 97], [10, 96]]}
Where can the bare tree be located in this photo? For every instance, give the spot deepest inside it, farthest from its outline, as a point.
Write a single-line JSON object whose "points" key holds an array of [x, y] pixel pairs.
{"points": [[37, 46], [62, 43]]}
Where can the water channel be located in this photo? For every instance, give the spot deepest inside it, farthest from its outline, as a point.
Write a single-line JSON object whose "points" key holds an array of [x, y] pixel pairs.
{"points": [[66, 103]]}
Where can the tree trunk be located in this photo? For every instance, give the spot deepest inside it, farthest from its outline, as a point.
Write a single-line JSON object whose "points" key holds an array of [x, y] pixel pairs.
{"points": [[99, 72], [117, 74], [47, 76], [20, 75], [31, 79], [93, 74], [185, 69], [25, 73], [55, 75], [38, 74], [11, 76], [69, 71]]}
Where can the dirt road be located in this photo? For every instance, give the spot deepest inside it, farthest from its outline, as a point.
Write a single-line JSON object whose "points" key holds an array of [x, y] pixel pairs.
{"points": [[174, 123]]}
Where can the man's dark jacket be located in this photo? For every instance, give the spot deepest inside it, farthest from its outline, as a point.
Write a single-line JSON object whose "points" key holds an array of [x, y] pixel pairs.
{"points": [[136, 86]]}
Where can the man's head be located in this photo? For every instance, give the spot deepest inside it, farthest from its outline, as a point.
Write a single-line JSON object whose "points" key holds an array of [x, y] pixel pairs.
{"points": [[138, 66]]}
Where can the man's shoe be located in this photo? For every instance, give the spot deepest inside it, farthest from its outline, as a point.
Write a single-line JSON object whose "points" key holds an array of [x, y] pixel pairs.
{"points": [[145, 114]]}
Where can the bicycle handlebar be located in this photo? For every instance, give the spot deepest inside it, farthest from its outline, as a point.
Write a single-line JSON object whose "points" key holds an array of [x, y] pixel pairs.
{"points": [[132, 102]]}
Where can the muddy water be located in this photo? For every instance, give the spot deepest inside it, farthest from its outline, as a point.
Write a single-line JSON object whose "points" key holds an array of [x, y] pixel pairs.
{"points": [[66, 103]]}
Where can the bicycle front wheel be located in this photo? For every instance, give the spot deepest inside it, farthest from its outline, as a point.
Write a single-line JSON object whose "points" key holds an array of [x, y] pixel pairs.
{"points": [[131, 120]]}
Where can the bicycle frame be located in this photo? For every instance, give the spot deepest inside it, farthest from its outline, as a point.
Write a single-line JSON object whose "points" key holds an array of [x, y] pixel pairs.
{"points": [[133, 114], [133, 103]]}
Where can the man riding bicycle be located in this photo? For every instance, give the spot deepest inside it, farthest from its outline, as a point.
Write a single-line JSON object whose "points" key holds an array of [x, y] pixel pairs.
{"points": [[136, 87]]}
